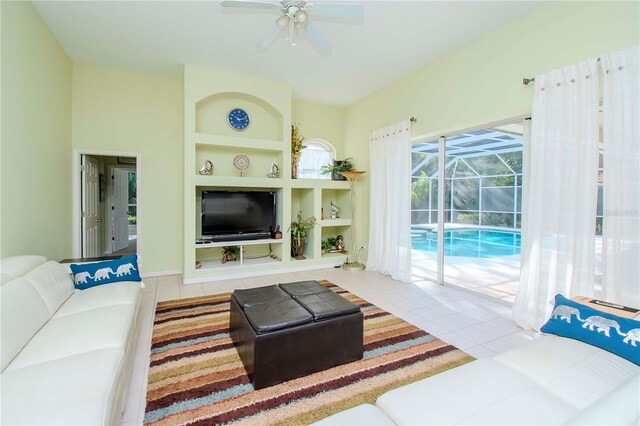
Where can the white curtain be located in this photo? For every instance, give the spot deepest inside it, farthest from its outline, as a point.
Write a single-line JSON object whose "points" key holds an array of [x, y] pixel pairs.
{"points": [[621, 198], [390, 206], [558, 228]]}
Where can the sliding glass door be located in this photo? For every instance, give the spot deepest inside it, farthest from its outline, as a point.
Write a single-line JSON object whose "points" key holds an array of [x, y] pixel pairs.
{"points": [[481, 209]]}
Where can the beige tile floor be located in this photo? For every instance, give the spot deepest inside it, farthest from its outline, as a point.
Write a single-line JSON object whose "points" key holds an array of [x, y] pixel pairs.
{"points": [[479, 325]]}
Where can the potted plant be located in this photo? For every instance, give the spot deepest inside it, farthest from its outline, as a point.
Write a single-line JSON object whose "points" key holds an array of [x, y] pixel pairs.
{"points": [[337, 166], [299, 230], [329, 244], [296, 147], [230, 253]]}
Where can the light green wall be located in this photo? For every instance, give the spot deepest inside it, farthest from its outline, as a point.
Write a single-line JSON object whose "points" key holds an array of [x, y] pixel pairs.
{"points": [[124, 111], [482, 82], [36, 137], [321, 122]]}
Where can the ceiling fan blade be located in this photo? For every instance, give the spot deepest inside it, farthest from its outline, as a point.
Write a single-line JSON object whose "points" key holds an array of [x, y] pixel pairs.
{"points": [[269, 37], [317, 39], [252, 4], [338, 10]]}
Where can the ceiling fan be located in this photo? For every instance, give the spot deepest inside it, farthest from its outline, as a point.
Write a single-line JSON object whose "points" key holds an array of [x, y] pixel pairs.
{"points": [[296, 16]]}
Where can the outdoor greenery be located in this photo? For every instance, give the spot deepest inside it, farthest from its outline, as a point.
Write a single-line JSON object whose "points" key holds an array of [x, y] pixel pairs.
{"points": [[463, 178], [133, 218]]}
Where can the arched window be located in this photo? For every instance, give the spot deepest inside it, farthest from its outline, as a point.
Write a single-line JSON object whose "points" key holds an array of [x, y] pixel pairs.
{"points": [[316, 154]]}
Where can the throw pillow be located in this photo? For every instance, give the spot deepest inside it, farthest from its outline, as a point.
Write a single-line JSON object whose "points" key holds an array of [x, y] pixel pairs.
{"points": [[87, 275], [607, 331]]}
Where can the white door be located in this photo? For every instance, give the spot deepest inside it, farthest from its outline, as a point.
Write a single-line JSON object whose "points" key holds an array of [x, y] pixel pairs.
{"points": [[120, 208], [90, 178]]}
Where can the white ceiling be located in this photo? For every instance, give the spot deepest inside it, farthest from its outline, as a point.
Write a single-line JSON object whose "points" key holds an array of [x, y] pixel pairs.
{"points": [[394, 39]]}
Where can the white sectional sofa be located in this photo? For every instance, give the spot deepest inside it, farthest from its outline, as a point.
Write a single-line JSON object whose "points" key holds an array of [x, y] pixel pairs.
{"points": [[550, 381], [66, 355]]}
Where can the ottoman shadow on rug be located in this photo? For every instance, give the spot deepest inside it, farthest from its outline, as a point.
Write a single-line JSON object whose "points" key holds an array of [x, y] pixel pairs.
{"points": [[196, 376]]}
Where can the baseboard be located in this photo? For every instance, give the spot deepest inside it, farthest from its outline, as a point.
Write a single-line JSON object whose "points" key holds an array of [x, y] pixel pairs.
{"points": [[257, 274], [162, 273]]}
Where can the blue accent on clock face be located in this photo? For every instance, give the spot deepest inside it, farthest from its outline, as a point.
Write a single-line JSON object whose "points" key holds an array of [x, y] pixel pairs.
{"points": [[238, 119]]}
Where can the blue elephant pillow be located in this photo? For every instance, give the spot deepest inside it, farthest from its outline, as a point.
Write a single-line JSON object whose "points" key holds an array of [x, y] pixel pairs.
{"points": [[89, 275], [612, 333]]}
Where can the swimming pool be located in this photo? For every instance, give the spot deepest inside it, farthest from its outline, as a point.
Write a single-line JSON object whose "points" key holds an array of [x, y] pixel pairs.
{"points": [[472, 243]]}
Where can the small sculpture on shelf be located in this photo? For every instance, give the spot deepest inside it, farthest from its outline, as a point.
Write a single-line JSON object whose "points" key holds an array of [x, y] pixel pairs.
{"points": [[340, 244], [274, 171], [207, 168], [334, 211]]}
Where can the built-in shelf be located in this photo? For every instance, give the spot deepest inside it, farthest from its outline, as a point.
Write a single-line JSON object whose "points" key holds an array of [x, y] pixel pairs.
{"points": [[326, 223], [216, 264], [334, 256], [238, 182], [319, 183], [239, 243], [239, 142]]}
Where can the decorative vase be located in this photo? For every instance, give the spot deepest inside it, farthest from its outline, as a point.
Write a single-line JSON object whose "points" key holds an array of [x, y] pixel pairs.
{"points": [[297, 248], [294, 168]]}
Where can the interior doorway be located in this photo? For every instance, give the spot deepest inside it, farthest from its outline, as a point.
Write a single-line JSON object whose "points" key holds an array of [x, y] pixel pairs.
{"points": [[106, 204]]}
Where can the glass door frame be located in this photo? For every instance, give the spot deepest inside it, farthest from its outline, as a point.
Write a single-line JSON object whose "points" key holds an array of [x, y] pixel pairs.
{"points": [[442, 145]]}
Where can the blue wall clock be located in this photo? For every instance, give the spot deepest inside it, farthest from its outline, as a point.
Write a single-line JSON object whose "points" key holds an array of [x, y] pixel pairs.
{"points": [[238, 119]]}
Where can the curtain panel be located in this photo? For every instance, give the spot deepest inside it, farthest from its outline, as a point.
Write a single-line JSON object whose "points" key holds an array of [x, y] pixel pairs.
{"points": [[390, 201], [558, 228], [621, 186]]}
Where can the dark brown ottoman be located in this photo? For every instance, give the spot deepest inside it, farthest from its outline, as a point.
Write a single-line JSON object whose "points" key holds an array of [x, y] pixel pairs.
{"points": [[292, 330]]}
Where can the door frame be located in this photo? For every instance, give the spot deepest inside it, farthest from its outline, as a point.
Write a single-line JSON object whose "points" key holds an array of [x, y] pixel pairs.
{"points": [[109, 193], [76, 191]]}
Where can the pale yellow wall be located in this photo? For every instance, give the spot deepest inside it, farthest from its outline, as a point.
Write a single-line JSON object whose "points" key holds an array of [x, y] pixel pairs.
{"points": [[321, 122], [124, 111], [482, 82], [36, 137]]}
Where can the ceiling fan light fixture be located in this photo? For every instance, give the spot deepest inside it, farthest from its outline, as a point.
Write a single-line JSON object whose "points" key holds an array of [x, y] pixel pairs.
{"points": [[301, 17], [283, 22]]}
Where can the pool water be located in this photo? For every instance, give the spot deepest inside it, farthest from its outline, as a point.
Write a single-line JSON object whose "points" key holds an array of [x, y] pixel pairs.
{"points": [[472, 243]]}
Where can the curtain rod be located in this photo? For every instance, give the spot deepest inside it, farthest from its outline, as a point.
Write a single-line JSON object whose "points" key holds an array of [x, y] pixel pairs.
{"points": [[526, 81]]}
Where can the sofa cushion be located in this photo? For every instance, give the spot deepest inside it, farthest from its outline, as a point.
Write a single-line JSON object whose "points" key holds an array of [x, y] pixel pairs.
{"points": [[607, 331], [53, 283], [23, 312], [101, 328], [573, 371], [75, 390], [125, 293], [481, 392], [618, 407], [361, 415], [87, 275], [16, 266]]}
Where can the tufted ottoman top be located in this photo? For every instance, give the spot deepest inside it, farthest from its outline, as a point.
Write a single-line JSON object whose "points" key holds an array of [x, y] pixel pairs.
{"points": [[289, 305]]}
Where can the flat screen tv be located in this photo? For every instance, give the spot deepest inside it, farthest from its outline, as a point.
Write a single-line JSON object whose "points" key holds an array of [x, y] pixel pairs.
{"points": [[238, 215]]}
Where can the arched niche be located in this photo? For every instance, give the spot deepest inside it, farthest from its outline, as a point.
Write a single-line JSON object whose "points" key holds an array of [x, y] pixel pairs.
{"points": [[265, 120]]}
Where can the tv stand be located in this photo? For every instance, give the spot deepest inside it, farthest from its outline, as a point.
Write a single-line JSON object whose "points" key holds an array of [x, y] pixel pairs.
{"points": [[215, 264]]}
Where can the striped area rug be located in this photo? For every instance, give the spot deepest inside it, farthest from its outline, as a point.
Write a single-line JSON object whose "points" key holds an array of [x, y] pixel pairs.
{"points": [[196, 376]]}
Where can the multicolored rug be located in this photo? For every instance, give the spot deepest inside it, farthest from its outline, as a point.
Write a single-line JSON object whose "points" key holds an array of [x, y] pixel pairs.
{"points": [[197, 378]]}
